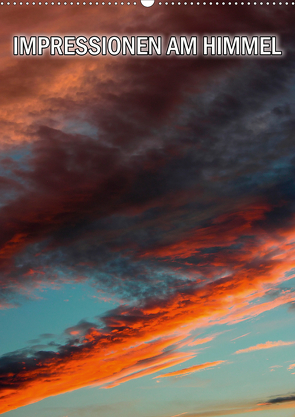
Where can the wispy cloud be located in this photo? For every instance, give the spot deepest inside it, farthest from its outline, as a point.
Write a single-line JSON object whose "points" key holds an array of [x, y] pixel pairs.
{"points": [[191, 369], [202, 340], [239, 337], [163, 363], [266, 345]]}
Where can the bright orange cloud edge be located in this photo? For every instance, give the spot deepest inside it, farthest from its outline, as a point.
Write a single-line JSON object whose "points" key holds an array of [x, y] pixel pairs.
{"points": [[191, 369], [135, 335]]}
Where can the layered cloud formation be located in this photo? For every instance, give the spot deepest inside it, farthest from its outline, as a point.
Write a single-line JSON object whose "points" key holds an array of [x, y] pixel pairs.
{"points": [[167, 183]]}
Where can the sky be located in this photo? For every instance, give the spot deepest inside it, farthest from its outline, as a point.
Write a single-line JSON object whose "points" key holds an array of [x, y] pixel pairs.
{"points": [[147, 214]]}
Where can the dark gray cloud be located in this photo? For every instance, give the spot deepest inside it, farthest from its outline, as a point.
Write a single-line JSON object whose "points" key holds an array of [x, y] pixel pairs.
{"points": [[281, 399], [95, 205]]}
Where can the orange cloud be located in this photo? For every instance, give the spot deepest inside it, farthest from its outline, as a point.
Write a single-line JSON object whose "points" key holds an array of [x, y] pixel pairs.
{"points": [[134, 337], [202, 341], [267, 345], [190, 370], [151, 370]]}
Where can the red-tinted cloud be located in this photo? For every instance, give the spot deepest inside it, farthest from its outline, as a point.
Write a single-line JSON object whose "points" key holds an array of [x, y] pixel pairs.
{"points": [[191, 369]]}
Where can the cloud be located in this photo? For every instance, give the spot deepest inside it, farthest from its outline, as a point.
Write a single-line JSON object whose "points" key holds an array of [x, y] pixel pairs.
{"points": [[239, 337], [177, 415], [266, 345], [140, 151], [234, 408], [202, 340], [81, 329], [163, 364], [168, 183], [191, 369], [132, 339], [280, 400]]}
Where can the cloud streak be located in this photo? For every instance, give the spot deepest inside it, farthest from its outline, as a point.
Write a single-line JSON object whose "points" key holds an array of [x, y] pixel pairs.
{"points": [[191, 369], [266, 345]]}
